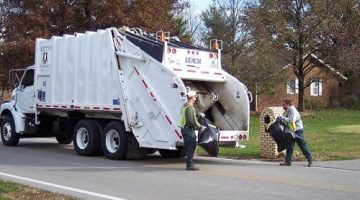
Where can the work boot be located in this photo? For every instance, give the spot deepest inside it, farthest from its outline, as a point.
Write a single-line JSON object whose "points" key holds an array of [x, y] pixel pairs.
{"points": [[310, 164], [192, 168], [285, 164]]}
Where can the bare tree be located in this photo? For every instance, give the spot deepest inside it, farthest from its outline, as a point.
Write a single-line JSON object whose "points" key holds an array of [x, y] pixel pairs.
{"points": [[227, 20], [298, 29]]}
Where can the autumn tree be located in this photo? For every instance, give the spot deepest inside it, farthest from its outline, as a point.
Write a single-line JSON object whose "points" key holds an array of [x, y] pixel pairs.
{"points": [[345, 45], [22, 21], [297, 29]]}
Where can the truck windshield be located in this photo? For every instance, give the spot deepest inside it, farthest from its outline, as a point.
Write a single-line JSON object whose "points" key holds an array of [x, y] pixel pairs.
{"points": [[28, 78]]}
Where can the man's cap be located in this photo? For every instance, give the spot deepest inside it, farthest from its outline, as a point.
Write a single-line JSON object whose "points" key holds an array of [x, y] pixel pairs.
{"points": [[191, 94]]}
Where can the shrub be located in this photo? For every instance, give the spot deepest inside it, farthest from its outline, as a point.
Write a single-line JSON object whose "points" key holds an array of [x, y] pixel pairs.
{"points": [[314, 104], [350, 102]]}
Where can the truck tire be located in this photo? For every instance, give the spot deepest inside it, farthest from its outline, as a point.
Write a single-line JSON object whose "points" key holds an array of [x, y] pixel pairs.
{"points": [[115, 141], [180, 152], [8, 135], [62, 139], [86, 139]]}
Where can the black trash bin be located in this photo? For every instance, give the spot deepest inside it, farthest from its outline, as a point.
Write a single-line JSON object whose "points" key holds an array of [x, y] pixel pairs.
{"points": [[281, 134], [209, 138]]}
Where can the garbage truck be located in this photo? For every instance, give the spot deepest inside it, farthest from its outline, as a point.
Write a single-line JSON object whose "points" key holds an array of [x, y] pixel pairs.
{"points": [[118, 92]]}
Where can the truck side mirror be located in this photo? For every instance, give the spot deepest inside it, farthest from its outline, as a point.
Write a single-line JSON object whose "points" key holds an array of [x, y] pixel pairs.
{"points": [[15, 83]]}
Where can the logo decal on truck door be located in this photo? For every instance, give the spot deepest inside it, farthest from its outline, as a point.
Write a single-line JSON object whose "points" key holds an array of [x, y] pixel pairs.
{"points": [[45, 58]]}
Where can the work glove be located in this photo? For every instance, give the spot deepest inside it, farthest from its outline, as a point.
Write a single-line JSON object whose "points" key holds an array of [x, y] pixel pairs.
{"points": [[202, 115]]}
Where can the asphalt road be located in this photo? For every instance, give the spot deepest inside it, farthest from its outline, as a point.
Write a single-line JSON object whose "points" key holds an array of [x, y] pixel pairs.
{"points": [[45, 164]]}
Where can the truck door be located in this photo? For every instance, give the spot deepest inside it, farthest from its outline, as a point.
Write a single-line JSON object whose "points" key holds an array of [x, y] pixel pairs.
{"points": [[25, 93]]}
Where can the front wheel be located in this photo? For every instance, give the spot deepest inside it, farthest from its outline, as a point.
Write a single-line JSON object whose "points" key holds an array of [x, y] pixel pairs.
{"points": [[178, 153], [8, 135], [62, 139], [115, 141]]}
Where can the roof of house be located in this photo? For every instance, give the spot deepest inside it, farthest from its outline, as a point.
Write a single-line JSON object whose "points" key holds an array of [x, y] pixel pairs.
{"points": [[324, 64]]}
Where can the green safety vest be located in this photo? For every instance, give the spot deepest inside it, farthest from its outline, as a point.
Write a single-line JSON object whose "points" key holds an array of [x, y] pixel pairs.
{"points": [[182, 121]]}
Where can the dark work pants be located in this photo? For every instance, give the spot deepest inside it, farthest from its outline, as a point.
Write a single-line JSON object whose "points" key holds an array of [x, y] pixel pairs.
{"points": [[190, 144], [300, 140]]}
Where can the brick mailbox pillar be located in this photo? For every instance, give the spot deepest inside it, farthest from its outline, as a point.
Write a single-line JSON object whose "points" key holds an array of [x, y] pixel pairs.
{"points": [[268, 148]]}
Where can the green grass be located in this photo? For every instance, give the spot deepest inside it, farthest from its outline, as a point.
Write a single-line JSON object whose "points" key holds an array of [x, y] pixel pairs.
{"points": [[7, 187], [332, 134]]}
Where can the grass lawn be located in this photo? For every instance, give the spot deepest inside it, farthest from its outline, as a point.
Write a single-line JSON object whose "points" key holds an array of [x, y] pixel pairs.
{"points": [[11, 191], [6, 187], [332, 134]]}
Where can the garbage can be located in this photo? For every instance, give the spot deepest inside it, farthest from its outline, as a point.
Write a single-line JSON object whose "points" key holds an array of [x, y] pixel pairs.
{"points": [[268, 147]]}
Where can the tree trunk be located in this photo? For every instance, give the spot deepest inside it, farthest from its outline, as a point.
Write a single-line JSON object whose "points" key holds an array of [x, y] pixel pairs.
{"points": [[301, 106]]}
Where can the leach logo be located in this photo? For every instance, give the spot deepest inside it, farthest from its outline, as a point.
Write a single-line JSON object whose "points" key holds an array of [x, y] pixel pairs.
{"points": [[192, 60], [45, 58]]}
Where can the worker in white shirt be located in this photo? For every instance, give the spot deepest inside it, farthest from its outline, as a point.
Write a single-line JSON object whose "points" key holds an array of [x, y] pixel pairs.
{"points": [[293, 120]]}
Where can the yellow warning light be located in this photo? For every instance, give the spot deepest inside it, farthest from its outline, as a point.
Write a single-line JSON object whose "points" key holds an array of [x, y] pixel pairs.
{"points": [[162, 36], [215, 44]]}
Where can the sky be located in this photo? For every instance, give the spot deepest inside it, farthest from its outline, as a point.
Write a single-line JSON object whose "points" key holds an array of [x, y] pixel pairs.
{"points": [[200, 5]]}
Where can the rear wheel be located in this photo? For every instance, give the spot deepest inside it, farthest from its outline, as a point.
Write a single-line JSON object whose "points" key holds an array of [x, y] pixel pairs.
{"points": [[86, 138], [115, 141], [8, 135]]}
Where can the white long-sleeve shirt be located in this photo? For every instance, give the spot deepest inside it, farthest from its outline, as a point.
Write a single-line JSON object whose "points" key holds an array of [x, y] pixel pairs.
{"points": [[292, 115]]}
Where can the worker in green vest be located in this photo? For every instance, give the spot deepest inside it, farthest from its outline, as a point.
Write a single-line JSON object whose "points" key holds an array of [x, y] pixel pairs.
{"points": [[188, 124]]}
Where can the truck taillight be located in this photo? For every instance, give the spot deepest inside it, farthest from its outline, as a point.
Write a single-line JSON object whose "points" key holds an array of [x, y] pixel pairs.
{"points": [[171, 50], [211, 56], [244, 137], [240, 137]]}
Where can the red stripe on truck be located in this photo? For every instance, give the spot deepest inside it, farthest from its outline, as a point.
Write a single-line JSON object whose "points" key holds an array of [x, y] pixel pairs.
{"points": [[136, 71], [178, 134], [153, 96], [167, 118], [144, 83]]}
